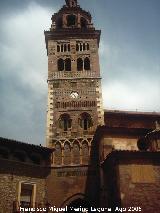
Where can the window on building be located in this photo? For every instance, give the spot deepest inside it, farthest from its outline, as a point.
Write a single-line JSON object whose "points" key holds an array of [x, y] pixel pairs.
{"points": [[58, 48], [65, 47], [77, 47], [84, 46], [27, 194], [87, 64], [87, 46], [71, 20], [65, 122], [68, 64], [86, 121], [62, 48], [79, 64], [69, 48], [60, 64]]}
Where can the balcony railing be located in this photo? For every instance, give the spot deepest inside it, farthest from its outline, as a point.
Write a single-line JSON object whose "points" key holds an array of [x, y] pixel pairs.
{"points": [[68, 75]]}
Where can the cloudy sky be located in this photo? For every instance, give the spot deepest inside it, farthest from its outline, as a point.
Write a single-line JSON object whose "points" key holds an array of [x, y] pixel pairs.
{"points": [[129, 56]]}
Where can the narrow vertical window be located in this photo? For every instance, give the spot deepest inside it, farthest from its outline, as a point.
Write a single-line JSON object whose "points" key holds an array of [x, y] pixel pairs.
{"points": [[68, 64], [65, 47], [79, 64], [69, 48], [77, 47], [87, 64], [60, 64], [67, 154], [58, 48], [87, 46], [84, 46]]}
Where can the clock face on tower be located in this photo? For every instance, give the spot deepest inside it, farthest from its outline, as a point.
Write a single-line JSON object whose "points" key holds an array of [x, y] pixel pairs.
{"points": [[74, 95]]}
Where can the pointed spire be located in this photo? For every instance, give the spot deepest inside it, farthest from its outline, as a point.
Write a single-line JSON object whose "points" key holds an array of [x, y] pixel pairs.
{"points": [[71, 3]]}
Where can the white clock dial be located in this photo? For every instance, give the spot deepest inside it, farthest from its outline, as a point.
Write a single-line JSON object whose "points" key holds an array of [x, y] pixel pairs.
{"points": [[74, 95]]}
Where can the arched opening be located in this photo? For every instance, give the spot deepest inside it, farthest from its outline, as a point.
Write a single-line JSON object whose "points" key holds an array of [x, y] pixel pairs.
{"points": [[79, 64], [84, 46], [81, 47], [58, 48], [65, 122], [86, 121], [76, 153], [62, 48], [65, 47], [59, 23], [69, 48], [83, 23], [68, 64], [87, 64], [71, 20], [67, 154], [87, 46], [77, 47], [58, 154], [60, 64], [85, 152]]}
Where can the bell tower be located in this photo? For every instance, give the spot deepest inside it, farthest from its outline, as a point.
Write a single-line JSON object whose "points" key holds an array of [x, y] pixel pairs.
{"points": [[74, 85]]}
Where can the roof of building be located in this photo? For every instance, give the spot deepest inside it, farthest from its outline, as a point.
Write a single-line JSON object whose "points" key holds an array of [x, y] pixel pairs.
{"points": [[14, 143], [131, 119]]}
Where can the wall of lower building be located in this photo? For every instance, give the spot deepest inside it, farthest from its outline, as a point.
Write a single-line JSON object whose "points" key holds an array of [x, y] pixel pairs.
{"points": [[140, 186], [11, 174], [131, 180]]}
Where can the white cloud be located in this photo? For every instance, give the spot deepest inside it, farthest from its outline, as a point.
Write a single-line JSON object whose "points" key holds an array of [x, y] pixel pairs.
{"points": [[128, 85], [24, 53], [24, 74]]}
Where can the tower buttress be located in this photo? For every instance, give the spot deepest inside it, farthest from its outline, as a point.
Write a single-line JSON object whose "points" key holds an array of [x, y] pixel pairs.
{"points": [[74, 84]]}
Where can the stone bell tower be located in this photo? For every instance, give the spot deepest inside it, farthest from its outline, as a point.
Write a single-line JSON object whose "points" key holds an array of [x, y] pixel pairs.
{"points": [[74, 85]]}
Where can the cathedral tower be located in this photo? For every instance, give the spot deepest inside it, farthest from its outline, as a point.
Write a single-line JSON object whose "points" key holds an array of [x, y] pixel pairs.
{"points": [[74, 84]]}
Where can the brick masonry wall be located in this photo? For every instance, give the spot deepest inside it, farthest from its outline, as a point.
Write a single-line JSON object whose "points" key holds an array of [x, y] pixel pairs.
{"points": [[144, 195], [65, 183]]}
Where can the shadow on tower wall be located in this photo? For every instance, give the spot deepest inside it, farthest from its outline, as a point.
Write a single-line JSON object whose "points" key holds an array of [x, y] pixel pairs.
{"points": [[93, 184]]}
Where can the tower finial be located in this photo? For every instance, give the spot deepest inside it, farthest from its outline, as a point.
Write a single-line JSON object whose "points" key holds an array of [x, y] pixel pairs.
{"points": [[71, 3]]}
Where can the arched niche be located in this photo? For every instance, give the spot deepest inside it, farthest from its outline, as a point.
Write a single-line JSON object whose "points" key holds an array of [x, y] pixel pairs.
{"points": [[67, 154], [76, 153], [58, 154], [85, 152]]}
